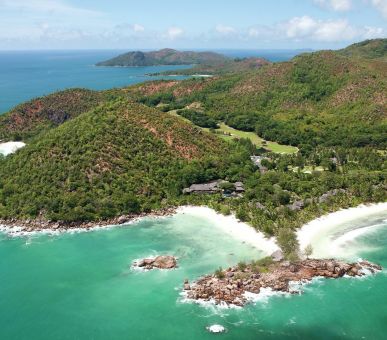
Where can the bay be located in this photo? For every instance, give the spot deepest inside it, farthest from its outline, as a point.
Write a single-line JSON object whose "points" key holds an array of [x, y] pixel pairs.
{"points": [[80, 286], [28, 74]]}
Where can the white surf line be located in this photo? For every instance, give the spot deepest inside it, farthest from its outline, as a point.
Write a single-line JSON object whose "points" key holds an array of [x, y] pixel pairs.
{"points": [[232, 226], [318, 232], [10, 147], [353, 234], [15, 231]]}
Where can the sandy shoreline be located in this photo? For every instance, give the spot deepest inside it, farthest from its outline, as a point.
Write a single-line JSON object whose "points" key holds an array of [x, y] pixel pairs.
{"points": [[15, 228], [232, 226], [240, 231], [8, 148], [228, 224], [323, 229]]}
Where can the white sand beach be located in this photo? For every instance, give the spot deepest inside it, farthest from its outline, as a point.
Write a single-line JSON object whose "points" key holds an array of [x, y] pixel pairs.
{"points": [[231, 225], [10, 147], [330, 234]]}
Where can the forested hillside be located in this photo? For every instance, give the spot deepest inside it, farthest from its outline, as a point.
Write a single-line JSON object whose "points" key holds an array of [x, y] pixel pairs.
{"points": [[236, 65], [368, 49], [29, 119], [321, 98], [96, 155], [120, 157]]}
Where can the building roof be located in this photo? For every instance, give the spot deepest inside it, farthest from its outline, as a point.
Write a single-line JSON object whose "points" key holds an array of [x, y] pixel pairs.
{"points": [[239, 186], [204, 187], [212, 187]]}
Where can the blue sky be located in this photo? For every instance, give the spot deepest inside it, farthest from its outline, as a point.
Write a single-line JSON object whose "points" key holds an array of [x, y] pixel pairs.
{"points": [[195, 24]]}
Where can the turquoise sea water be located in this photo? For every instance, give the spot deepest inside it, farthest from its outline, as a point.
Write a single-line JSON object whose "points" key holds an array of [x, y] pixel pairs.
{"points": [[28, 74], [80, 286], [25, 75]]}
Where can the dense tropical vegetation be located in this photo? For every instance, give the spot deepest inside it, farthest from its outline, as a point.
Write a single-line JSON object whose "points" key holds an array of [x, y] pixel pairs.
{"points": [[95, 155], [321, 98], [38, 115], [369, 49]]}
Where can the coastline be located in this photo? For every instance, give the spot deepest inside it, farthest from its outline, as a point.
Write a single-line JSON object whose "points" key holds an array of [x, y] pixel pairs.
{"points": [[8, 148], [229, 224], [238, 286], [315, 230], [15, 228]]}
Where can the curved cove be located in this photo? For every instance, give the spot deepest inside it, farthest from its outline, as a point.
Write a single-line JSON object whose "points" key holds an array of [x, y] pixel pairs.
{"points": [[83, 281]]}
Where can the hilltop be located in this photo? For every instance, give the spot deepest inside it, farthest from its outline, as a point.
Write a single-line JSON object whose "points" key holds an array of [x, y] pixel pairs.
{"points": [[320, 98], [117, 158], [227, 66], [40, 114], [368, 49], [163, 57]]}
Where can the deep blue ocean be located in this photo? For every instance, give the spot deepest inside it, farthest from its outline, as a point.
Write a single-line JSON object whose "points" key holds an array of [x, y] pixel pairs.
{"points": [[28, 74]]}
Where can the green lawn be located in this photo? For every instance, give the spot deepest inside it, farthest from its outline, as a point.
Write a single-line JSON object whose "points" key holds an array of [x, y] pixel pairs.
{"points": [[228, 132], [307, 169]]}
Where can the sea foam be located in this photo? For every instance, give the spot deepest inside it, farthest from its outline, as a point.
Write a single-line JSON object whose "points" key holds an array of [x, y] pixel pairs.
{"points": [[232, 226], [331, 234]]}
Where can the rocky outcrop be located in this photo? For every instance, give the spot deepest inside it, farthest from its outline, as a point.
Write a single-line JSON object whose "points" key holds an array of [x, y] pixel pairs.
{"points": [[277, 256], [229, 286], [159, 262], [16, 226]]}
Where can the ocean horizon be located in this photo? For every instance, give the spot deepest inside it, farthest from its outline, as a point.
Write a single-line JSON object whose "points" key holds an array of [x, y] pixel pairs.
{"points": [[25, 75]]}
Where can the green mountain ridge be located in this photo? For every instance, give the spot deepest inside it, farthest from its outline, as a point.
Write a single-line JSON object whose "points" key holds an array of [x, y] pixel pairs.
{"points": [[320, 98], [163, 57], [221, 68], [368, 49], [40, 114]]}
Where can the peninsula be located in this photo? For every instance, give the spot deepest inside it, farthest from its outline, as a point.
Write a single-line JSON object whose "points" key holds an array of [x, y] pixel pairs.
{"points": [[165, 56], [236, 285]]}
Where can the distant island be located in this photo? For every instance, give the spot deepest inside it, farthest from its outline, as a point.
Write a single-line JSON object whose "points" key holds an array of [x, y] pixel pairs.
{"points": [[165, 56], [204, 63]]}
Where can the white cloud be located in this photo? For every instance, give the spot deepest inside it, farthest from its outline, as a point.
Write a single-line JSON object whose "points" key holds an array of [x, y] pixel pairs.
{"points": [[335, 5], [307, 28], [299, 27], [49, 23], [373, 32], [381, 6], [335, 31], [138, 28], [261, 31], [174, 33], [45, 6], [225, 30], [254, 32], [126, 30]]}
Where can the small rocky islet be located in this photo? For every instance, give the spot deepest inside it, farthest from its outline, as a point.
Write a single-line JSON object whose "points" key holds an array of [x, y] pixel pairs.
{"points": [[158, 262], [231, 285]]}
